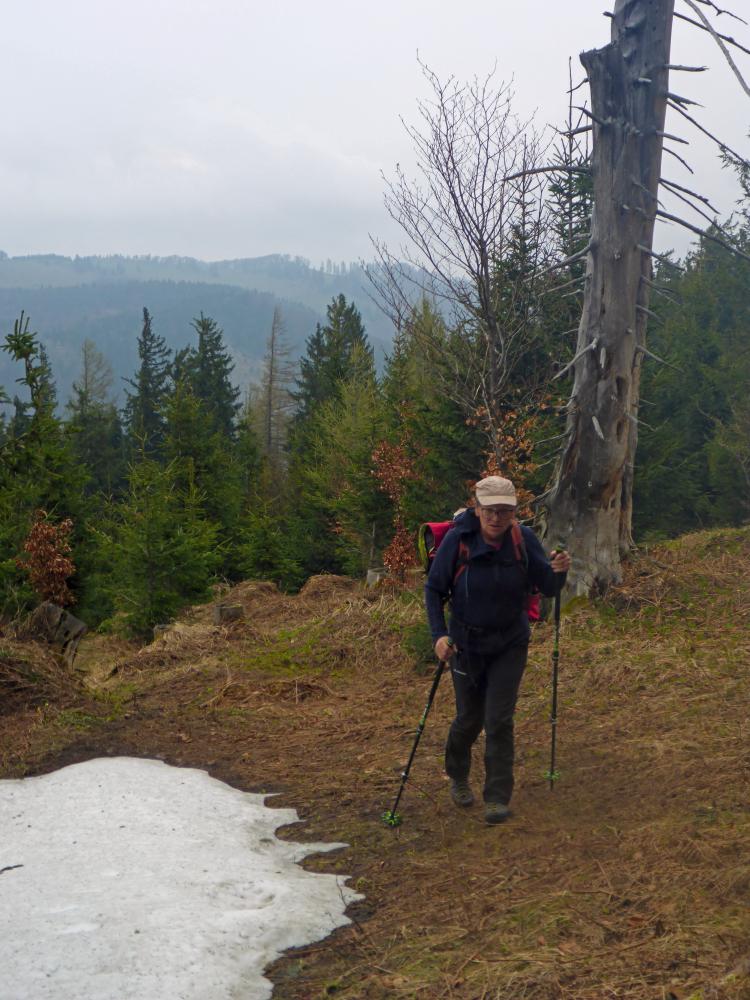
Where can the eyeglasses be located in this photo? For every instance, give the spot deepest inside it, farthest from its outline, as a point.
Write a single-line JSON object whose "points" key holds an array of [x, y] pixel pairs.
{"points": [[496, 511]]}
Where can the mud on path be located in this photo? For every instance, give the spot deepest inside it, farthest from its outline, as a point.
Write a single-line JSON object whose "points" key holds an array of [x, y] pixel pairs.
{"points": [[630, 879]]}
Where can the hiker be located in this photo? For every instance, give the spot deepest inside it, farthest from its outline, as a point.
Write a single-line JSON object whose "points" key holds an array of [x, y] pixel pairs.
{"points": [[486, 567]]}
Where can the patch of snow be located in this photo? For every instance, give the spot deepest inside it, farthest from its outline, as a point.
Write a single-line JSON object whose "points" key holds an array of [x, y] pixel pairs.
{"points": [[141, 881]]}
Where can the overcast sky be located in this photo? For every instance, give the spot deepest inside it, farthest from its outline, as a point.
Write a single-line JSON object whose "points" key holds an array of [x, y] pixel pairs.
{"points": [[233, 128]]}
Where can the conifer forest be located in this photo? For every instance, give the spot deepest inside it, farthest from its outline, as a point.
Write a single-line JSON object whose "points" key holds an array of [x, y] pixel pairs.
{"points": [[327, 464]]}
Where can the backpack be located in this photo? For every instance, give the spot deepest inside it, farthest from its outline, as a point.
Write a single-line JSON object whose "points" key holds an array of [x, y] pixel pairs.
{"points": [[432, 533]]}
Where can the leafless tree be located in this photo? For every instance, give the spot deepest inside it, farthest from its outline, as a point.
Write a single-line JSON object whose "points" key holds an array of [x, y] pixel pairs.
{"points": [[478, 199], [93, 387], [590, 503], [272, 399]]}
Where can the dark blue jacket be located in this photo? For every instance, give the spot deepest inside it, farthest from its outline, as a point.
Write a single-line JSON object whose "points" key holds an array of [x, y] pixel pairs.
{"points": [[488, 603]]}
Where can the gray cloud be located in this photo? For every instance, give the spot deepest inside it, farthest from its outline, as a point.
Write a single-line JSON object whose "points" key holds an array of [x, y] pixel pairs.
{"points": [[229, 129]]}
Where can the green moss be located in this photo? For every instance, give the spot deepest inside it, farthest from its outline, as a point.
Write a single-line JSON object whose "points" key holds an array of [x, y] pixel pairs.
{"points": [[303, 650], [78, 719], [416, 641]]}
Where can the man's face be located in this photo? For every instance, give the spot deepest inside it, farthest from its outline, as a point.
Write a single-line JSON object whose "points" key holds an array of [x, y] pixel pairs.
{"points": [[494, 520]]}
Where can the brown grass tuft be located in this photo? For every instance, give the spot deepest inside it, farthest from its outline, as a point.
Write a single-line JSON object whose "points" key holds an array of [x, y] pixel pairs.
{"points": [[30, 675]]}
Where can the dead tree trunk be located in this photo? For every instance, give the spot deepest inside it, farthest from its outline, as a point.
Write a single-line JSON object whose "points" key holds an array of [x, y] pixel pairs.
{"points": [[590, 505]]}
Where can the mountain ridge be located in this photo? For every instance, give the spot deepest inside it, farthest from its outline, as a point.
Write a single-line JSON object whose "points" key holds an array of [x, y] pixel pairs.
{"points": [[69, 299]]}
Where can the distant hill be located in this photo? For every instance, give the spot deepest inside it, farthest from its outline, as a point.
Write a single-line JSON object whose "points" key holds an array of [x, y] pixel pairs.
{"points": [[102, 298]]}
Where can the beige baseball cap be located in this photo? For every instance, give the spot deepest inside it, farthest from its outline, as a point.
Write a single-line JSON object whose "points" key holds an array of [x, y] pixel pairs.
{"points": [[495, 490]]}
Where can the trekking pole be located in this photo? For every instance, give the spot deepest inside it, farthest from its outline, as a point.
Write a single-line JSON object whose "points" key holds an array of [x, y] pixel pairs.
{"points": [[391, 817], [552, 775]]}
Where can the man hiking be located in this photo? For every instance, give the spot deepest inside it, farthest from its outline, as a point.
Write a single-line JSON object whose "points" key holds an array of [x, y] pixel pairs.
{"points": [[486, 565]]}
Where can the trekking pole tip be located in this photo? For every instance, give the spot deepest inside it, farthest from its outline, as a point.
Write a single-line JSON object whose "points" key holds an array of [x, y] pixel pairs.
{"points": [[391, 818]]}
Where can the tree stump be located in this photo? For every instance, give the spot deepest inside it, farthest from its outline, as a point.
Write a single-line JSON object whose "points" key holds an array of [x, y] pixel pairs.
{"points": [[59, 628], [224, 613], [374, 576]]}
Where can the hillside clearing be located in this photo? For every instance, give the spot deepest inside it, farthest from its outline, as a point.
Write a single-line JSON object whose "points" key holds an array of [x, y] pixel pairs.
{"points": [[630, 879]]}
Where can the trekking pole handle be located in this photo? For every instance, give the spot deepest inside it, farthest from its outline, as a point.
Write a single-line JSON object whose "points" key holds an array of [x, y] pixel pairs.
{"points": [[450, 643], [559, 547]]}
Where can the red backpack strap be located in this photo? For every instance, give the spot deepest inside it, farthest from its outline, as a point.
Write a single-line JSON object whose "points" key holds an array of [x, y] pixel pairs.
{"points": [[462, 561], [533, 604]]}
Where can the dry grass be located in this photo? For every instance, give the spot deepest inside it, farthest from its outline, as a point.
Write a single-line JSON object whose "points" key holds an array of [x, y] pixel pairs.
{"points": [[629, 880], [31, 674]]}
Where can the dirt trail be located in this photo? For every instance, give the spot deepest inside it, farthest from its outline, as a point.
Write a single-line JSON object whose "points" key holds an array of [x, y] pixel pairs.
{"points": [[630, 879]]}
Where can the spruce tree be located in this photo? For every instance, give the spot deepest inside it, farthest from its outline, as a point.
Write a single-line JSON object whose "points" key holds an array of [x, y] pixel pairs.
{"points": [[38, 470], [248, 453], [445, 447], [268, 549], [144, 407], [336, 499], [206, 460], [210, 370], [332, 351], [686, 477], [160, 547], [48, 389]]}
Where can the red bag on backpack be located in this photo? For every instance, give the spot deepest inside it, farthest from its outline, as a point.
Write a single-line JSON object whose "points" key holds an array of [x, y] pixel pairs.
{"points": [[432, 533]]}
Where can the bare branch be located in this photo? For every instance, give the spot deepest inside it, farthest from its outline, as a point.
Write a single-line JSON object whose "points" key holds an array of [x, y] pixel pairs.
{"points": [[682, 100], [677, 156], [726, 38], [660, 257], [584, 350], [645, 190], [702, 233], [578, 86], [675, 138], [559, 288], [686, 69], [564, 263], [719, 11], [722, 145], [650, 354], [694, 194], [388, 281], [660, 290], [603, 123], [553, 169], [640, 423], [717, 38], [695, 208], [555, 437], [649, 312]]}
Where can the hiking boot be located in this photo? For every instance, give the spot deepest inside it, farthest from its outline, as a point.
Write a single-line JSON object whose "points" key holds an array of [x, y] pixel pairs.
{"points": [[496, 812], [461, 794]]}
